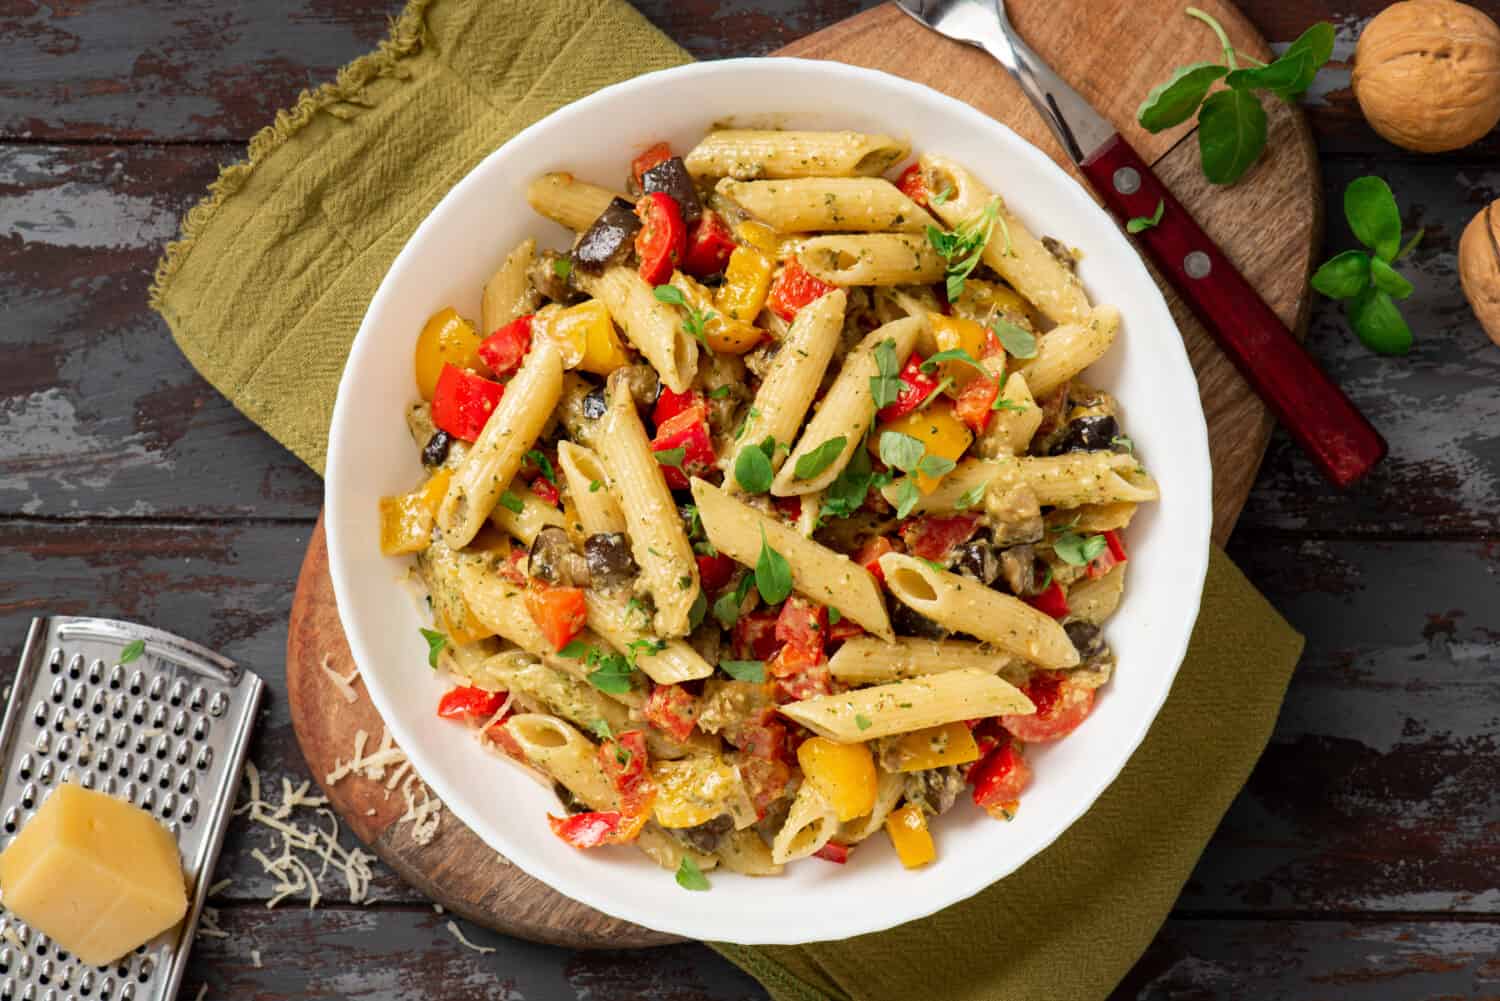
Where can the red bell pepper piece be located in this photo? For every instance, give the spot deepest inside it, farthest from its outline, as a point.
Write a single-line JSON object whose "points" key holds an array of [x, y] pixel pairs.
{"points": [[789, 508], [913, 185], [916, 387], [933, 538], [870, 552], [715, 572], [709, 245], [755, 635], [673, 710], [794, 288], [800, 672], [465, 701], [1061, 707], [662, 240], [998, 780], [765, 780], [650, 157], [1107, 560], [587, 830], [503, 350], [670, 404], [627, 767], [1052, 601], [843, 629], [463, 402], [803, 623], [764, 740], [500, 734], [559, 612], [687, 430], [832, 851], [545, 491], [974, 402]]}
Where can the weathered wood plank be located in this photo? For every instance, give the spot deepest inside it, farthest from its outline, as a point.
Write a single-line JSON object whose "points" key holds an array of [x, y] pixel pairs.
{"points": [[1439, 406], [100, 414]]}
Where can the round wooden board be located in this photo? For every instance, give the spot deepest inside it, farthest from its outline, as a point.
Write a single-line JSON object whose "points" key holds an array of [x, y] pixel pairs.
{"points": [[1113, 51]]}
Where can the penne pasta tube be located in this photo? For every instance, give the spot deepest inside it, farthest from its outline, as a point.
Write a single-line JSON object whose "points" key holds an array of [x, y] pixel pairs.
{"points": [[889, 787], [746, 853], [847, 409], [510, 431], [788, 389], [810, 824], [747, 154], [534, 515], [1013, 251], [508, 293], [828, 204], [1066, 350], [1078, 478], [962, 604], [657, 539], [675, 661], [1011, 427], [566, 756], [653, 327], [965, 477], [902, 706], [872, 259], [598, 511], [560, 693], [829, 578], [568, 201], [667, 852], [1094, 600], [865, 660]]}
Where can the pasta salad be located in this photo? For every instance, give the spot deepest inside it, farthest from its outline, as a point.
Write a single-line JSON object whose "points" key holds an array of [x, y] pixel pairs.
{"points": [[776, 514]]}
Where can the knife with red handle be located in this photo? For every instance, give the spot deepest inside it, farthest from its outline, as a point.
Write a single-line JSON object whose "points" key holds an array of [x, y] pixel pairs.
{"points": [[1313, 410]]}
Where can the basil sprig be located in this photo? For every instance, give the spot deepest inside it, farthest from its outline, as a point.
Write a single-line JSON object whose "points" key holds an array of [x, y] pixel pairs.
{"points": [[1367, 283]]}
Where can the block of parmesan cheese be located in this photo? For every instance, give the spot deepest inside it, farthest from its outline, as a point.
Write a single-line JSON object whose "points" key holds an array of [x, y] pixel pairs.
{"points": [[96, 874]]}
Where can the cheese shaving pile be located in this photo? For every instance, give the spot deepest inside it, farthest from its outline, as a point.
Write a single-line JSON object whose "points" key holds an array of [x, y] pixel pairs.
{"points": [[457, 933], [388, 764], [345, 685], [294, 875]]}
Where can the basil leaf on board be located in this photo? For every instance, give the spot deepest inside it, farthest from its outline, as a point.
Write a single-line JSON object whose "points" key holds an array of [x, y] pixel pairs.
{"points": [[820, 458], [900, 451], [1142, 223], [752, 470], [1388, 280], [1317, 44], [1174, 102], [773, 575], [1371, 210], [1231, 135], [744, 670], [1343, 276], [1018, 342], [1379, 323], [1277, 77], [1411, 244]]}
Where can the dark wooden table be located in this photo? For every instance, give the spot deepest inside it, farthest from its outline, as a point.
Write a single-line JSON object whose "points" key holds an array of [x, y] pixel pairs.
{"points": [[1361, 862]]}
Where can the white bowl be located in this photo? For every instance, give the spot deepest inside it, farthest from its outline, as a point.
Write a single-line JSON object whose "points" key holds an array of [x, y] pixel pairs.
{"points": [[370, 454]]}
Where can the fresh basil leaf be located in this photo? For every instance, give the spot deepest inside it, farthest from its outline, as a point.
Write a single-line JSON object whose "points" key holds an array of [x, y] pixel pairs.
{"points": [[900, 451], [600, 728], [834, 616], [970, 497], [820, 458], [1231, 135], [671, 457], [935, 466], [744, 670], [132, 651], [862, 721], [1142, 223], [1174, 101], [562, 267], [1122, 443], [699, 611], [718, 392], [752, 470], [773, 575], [1379, 323], [846, 494], [1078, 550], [544, 464], [907, 496], [689, 876], [435, 643], [1371, 210], [594, 486], [1388, 280], [575, 650], [886, 386], [1344, 276], [1316, 43], [1280, 76], [953, 354], [1001, 403], [943, 196], [512, 503], [612, 676], [727, 608], [669, 294], [1018, 342]]}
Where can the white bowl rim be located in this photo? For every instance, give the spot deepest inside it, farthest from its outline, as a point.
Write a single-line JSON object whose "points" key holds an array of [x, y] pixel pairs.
{"points": [[1194, 565]]}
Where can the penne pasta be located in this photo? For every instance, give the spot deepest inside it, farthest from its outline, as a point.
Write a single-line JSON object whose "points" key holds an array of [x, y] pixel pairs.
{"points": [[739, 532], [1014, 424], [533, 515], [872, 259], [511, 430], [564, 755], [889, 787], [810, 824], [652, 326], [914, 704], [828, 204], [598, 511], [508, 293], [746, 853], [666, 662], [568, 201], [1067, 350], [962, 604], [865, 660], [748, 154]]}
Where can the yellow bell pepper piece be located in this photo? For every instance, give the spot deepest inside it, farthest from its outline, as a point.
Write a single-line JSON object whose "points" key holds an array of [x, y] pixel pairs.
{"points": [[447, 339], [747, 280], [406, 522], [844, 773], [940, 433], [957, 332], [936, 746], [908, 830], [693, 791], [585, 336], [758, 235], [722, 334], [470, 630]]}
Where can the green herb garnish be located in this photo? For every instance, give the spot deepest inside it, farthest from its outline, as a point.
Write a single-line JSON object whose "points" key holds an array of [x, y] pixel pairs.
{"points": [[1141, 223], [744, 670], [820, 458], [886, 386], [689, 876], [611, 672], [694, 321], [512, 503], [435, 643], [562, 267], [752, 469], [963, 246], [544, 464], [952, 354], [773, 575], [862, 721], [1367, 282], [132, 651], [671, 457], [1017, 341], [1078, 550], [601, 729], [970, 497]]}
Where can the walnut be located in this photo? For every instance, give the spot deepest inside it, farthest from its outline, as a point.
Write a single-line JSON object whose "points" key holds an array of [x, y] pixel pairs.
{"points": [[1427, 74], [1479, 267]]}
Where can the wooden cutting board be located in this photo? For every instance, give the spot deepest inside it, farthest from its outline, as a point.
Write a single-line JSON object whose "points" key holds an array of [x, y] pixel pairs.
{"points": [[1113, 52]]}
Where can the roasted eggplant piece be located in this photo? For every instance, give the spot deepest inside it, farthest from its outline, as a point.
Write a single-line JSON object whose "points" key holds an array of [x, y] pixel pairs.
{"points": [[1088, 640], [544, 277], [935, 790], [1091, 433], [595, 405], [609, 240], [552, 559], [706, 836], [907, 622], [609, 560], [977, 559], [1021, 572], [671, 178], [435, 452]]}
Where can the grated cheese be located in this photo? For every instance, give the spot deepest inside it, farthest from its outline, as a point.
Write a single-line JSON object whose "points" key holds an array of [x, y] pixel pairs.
{"points": [[458, 934], [255, 958], [219, 887], [202, 992], [208, 924], [345, 685], [388, 764]]}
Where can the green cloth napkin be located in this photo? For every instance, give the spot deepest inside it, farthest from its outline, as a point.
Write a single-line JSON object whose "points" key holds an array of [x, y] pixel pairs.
{"points": [[264, 293]]}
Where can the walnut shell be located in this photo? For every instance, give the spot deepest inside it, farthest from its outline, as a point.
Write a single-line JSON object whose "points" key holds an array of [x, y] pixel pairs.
{"points": [[1479, 267], [1427, 74]]}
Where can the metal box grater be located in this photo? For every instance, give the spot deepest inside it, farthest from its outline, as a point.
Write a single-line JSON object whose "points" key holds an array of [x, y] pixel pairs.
{"points": [[168, 732]]}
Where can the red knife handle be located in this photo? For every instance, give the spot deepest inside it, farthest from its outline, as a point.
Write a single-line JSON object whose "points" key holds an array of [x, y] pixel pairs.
{"points": [[1312, 409]]}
